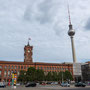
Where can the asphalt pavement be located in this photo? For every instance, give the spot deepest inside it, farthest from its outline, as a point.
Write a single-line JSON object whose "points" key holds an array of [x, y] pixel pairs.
{"points": [[46, 87]]}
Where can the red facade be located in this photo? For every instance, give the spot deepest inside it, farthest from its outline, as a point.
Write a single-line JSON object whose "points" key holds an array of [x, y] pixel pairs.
{"points": [[8, 67]]}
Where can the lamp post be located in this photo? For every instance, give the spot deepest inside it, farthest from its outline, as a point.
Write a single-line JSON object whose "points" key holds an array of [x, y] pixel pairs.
{"points": [[25, 77], [62, 73]]}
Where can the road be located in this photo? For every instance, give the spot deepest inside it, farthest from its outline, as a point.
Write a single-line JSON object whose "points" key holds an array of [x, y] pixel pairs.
{"points": [[47, 87]]}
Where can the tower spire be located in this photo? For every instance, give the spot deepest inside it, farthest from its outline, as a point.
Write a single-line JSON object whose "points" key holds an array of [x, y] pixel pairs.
{"points": [[28, 41], [69, 15]]}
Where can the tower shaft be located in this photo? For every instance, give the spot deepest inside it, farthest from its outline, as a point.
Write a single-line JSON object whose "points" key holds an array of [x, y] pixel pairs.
{"points": [[73, 50], [71, 33]]}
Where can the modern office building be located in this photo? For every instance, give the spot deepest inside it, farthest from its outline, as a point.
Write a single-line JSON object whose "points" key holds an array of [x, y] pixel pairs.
{"points": [[86, 71], [77, 72]]}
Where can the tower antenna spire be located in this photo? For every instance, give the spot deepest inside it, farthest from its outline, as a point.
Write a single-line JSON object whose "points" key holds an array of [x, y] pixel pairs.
{"points": [[28, 41], [69, 14]]}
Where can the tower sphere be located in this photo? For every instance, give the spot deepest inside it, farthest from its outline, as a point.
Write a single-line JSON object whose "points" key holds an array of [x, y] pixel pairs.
{"points": [[71, 32]]}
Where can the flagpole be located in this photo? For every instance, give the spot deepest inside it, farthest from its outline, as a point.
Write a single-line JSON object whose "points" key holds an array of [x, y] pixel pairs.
{"points": [[28, 41]]}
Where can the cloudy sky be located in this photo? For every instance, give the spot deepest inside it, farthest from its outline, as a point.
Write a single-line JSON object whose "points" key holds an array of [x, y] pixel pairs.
{"points": [[46, 23]]}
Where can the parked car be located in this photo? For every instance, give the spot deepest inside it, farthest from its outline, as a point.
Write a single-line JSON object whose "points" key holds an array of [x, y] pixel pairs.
{"points": [[30, 84], [88, 83], [48, 82], [2, 84], [17, 84], [43, 83], [65, 84], [80, 84]]}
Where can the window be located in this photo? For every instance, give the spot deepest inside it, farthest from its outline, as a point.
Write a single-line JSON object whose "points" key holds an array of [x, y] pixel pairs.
{"points": [[70, 68], [12, 67], [47, 68], [5, 67], [52, 68], [24, 67], [0, 66], [12, 71], [44, 68], [15, 71], [8, 67], [0, 72], [55, 68], [8, 73], [18, 67], [5, 73], [15, 67], [25, 50], [21, 67], [18, 73]]}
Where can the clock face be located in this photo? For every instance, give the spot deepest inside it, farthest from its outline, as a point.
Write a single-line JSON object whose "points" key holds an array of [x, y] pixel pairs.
{"points": [[28, 50]]}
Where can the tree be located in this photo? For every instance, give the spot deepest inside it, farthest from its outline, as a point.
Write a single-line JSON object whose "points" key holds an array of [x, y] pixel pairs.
{"points": [[49, 76], [40, 75], [61, 76], [54, 76], [31, 74], [22, 76], [68, 75]]}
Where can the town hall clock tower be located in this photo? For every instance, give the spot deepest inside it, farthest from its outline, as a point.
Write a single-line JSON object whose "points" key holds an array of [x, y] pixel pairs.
{"points": [[28, 53]]}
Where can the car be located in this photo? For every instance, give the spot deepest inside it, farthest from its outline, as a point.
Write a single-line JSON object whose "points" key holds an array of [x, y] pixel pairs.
{"points": [[18, 84], [43, 83], [2, 84], [30, 84], [80, 84], [55, 83], [65, 84], [48, 82]]}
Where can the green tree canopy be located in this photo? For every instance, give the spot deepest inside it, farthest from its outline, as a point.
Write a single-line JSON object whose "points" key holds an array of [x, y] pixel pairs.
{"points": [[61, 76], [54, 76], [68, 75], [22, 76], [31, 74], [40, 75], [49, 76]]}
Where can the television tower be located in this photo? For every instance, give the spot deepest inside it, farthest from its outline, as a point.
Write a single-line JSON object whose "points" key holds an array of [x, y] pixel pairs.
{"points": [[71, 33]]}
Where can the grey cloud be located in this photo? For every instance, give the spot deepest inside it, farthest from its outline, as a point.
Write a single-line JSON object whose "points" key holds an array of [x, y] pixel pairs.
{"points": [[42, 12], [28, 14], [87, 26], [45, 9]]}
